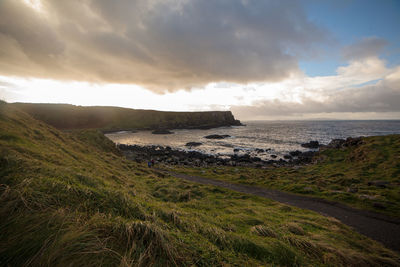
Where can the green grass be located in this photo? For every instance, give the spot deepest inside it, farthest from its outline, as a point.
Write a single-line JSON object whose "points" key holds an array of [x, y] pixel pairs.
{"points": [[71, 199], [338, 174]]}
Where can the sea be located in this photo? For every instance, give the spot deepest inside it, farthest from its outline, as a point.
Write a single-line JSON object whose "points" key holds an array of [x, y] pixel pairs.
{"points": [[274, 137]]}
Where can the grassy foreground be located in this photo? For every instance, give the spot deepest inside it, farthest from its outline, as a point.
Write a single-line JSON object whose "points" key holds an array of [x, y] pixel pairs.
{"points": [[70, 199], [366, 176]]}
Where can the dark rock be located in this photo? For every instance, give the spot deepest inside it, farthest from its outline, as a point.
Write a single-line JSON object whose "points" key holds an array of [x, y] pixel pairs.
{"points": [[216, 136], [378, 183], [161, 131], [210, 160], [193, 144], [245, 158], [238, 123], [194, 155], [295, 153], [274, 156], [311, 144], [236, 149], [287, 157], [306, 157], [171, 156], [260, 150]]}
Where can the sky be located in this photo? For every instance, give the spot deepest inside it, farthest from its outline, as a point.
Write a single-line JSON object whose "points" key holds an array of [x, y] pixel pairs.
{"points": [[263, 60]]}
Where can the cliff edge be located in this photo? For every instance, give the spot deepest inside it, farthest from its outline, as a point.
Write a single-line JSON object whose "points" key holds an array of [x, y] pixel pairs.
{"points": [[67, 117]]}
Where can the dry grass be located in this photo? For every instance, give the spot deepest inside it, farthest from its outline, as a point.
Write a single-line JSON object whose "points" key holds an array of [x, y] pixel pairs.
{"points": [[263, 230], [295, 228]]}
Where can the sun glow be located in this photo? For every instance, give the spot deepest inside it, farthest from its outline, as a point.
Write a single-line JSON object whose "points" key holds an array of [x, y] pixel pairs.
{"points": [[123, 95], [34, 4]]}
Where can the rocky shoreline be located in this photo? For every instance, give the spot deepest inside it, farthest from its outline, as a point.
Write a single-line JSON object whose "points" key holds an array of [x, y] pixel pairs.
{"points": [[167, 155]]}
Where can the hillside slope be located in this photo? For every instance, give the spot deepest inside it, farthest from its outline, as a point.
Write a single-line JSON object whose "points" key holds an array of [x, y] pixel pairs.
{"points": [[63, 116], [70, 199]]}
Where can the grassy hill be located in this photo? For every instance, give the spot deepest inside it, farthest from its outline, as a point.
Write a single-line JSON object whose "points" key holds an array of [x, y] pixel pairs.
{"points": [[365, 176], [63, 116], [71, 199]]}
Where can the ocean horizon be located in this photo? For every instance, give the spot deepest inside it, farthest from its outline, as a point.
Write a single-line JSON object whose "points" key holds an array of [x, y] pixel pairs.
{"points": [[275, 137]]}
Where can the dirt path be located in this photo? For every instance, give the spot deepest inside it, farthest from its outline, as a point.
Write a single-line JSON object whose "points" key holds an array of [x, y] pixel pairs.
{"points": [[376, 226]]}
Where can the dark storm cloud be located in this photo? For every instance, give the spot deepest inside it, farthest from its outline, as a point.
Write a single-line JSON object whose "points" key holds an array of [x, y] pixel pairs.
{"points": [[159, 44], [367, 47], [384, 96]]}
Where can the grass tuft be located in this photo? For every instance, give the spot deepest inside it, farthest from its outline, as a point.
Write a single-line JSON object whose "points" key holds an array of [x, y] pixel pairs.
{"points": [[307, 246], [295, 229], [263, 230]]}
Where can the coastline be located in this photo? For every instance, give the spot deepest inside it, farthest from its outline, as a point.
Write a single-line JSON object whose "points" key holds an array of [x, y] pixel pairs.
{"points": [[168, 155], [198, 127]]}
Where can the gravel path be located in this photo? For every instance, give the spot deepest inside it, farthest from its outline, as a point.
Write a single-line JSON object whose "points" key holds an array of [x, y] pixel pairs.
{"points": [[376, 226]]}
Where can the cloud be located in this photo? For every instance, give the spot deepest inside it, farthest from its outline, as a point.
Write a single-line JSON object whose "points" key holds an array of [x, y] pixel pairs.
{"points": [[5, 93], [161, 45], [365, 48], [382, 96]]}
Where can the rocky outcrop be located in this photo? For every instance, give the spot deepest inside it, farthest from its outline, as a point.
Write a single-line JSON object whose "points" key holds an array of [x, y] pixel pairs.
{"points": [[311, 144], [295, 153], [217, 136], [170, 156], [190, 144]]}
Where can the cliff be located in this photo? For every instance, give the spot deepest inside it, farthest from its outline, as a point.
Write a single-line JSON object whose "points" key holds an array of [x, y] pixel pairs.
{"points": [[64, 116]]}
